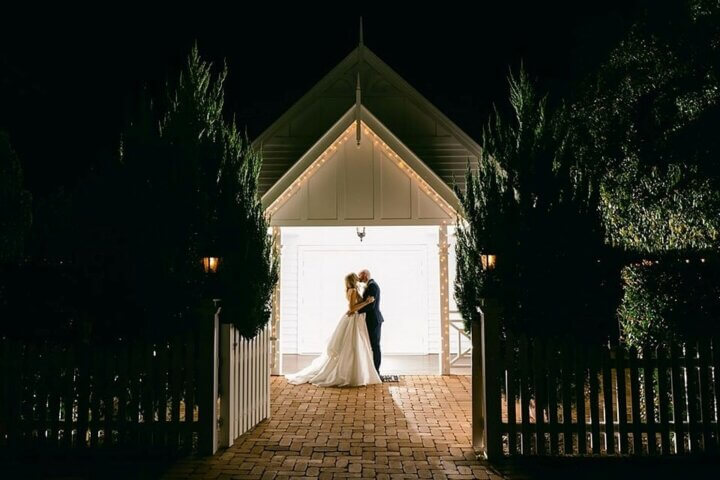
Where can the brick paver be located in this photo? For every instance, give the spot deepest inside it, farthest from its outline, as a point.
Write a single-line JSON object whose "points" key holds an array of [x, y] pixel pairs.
{"points": [[417, 428]]}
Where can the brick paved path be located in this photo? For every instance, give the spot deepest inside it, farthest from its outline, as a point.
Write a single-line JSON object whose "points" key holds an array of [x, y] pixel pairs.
{"points": [[417, 428]]}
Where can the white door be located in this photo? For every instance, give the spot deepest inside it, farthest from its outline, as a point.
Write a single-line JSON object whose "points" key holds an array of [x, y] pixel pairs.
{"points": [[400, 271]]}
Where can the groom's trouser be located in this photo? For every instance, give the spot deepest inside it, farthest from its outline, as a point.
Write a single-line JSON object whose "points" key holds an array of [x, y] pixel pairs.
{"points": [[374, 328]]}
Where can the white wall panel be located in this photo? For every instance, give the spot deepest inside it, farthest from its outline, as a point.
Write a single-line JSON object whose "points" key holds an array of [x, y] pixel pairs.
{"points": [[403, 261], [359, 185], [322, 192]]}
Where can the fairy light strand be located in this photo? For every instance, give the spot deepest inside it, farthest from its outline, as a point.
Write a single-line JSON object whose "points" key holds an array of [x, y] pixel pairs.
{"points": [[389, 153]]}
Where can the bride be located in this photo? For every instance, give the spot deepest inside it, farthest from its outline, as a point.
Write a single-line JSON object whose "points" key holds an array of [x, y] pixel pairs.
{"points": [[347, 360]]}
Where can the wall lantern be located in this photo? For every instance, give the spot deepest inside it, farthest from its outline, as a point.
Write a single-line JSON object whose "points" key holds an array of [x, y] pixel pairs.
{"points": [[488, 261], [211, 264], [360, 233]]}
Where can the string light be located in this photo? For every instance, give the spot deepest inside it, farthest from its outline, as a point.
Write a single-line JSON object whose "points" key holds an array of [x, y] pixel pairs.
{"points": [[309, 171]]}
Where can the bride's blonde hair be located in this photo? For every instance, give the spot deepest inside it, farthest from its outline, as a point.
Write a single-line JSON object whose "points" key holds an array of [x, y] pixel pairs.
{"points": [[351, 281]]}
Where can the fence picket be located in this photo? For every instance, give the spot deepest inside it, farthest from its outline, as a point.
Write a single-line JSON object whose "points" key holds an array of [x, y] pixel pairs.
{"points": [[15, 394], [40, 398], [241, 385], [678, 395], [176, 351], [248, 380], [5, 395], [55, 383], [716, 389], [539, 371], [96, 387], [567, 369], [123, 365], [552, 388], [109, 396], [261, 372], [266, 371], [255, 389], [621, 400], [189, 397], [28, 393], [648, 390], [706, 401], [147, 396], [692, 394], [5, 400], [510, 367], [255, 377], [635, 401], [83, 395], [161, 385], [608, 400], [525, 395], [56, 387], [246, 384], [138, 394], [593, 371], [68, 396], [238, 382], [663, 400], [580, 371]]}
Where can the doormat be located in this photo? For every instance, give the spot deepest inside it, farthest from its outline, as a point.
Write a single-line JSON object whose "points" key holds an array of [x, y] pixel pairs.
{"points": [[390, 378]]}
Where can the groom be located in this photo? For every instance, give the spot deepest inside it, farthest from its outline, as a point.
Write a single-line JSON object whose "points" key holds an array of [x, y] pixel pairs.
{"points": [[373, 317]]}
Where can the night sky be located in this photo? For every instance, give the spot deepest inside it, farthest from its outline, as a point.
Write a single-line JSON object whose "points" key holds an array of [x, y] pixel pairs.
{"points": [[68, 83]]}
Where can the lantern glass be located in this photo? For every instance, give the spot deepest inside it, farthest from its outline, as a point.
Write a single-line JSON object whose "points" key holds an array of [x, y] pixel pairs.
{"points": [[488, 261], [211, 264]]}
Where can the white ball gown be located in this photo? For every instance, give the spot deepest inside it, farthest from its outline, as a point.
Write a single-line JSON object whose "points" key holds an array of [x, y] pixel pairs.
{"points": [[347, 360]]}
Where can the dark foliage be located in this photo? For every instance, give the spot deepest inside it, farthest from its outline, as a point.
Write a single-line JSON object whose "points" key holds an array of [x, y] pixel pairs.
{"points": [[646, 136], [669, 300], [15, 205], [647, 131], [121, 256], [554, 273]]}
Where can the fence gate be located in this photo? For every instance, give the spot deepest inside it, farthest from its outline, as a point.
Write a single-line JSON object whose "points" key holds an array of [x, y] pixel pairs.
{"points": [[245, 382]]}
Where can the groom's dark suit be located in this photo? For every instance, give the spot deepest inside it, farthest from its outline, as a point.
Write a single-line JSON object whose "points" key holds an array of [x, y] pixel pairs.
{"points": [[373, 319]]}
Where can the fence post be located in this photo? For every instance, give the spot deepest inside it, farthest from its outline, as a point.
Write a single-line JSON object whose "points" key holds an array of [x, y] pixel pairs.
{"points": [[444, 301], [275, 320], [208, 387], [490, 355], [478, 400], [227, 385]]}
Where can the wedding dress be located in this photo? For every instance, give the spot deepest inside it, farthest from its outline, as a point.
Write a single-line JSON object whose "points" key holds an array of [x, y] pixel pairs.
{"points": [[347, 360]]}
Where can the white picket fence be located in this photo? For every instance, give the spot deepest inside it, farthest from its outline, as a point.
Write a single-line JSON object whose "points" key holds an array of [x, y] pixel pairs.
{"points": [[244, 385], [193, 392]]}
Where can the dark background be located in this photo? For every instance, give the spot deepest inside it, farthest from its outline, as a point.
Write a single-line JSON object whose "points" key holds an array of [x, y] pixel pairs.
{"points": [[69, 80]]}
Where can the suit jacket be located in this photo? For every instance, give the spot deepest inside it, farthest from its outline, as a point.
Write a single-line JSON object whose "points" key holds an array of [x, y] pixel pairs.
{"points": [[372, 311]]}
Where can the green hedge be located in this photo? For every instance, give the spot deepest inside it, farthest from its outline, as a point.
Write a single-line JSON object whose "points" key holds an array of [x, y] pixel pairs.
{"points": [[668, 299]]}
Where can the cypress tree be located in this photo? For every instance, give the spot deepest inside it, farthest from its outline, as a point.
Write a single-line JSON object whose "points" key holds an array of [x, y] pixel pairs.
{"points": [[522, 205]]}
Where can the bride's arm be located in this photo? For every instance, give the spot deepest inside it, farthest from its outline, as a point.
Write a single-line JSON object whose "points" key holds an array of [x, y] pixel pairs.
{"points": [[358, 306]]}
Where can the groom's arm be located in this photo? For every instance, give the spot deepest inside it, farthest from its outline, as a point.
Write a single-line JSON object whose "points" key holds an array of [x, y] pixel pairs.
{"points": [[371, 292]]}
